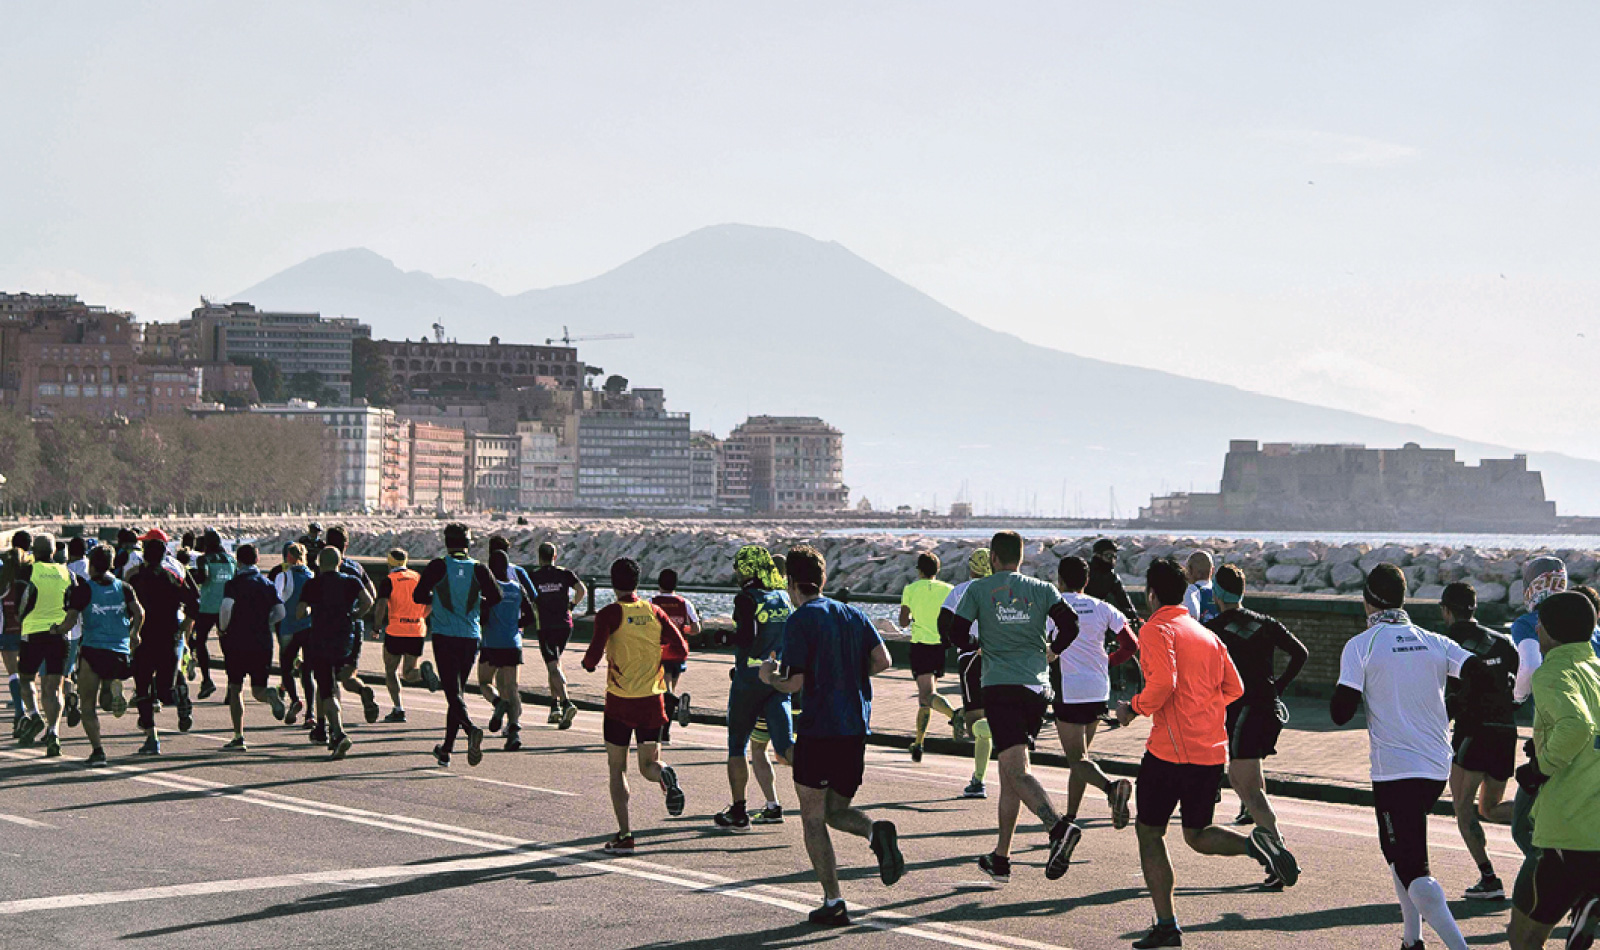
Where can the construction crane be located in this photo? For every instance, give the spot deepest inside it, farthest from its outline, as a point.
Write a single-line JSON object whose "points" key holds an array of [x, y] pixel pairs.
{"points": [[567, 339], [438, 333]]}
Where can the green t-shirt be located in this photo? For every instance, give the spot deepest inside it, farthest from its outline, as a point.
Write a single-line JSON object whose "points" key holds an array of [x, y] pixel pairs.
{"points": [[924, 598], [1010, 611]]}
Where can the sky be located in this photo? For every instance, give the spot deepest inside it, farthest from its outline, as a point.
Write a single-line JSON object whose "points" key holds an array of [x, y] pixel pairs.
{"points": [[1378, 207]]}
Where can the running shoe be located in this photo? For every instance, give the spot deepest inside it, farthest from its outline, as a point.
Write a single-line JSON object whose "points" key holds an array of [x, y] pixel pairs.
{"points": [[998, 868], [1268, 848], [675, 796], [513, 742], [441, 756], [52, 745], [830, 914], [16, 727], [1272, 883], [295, 706], [96, 759], [339, 745], [770, 815], [185, 720], [73, 714], [975, 789], [683, 710], [369, 705], [395, 715], [958, 725], [318, 734], [150, 747], [1121, 793], [916, 753], [1161, 935], [1244, 817], [275, 698], [31, 728], [189, 670], [621, 844], [1584, 918], [105, 696], [430, 678], [1419, 945], [886, 845], [1063, 840], [475, 746], [119, 704], [206, 689], [555, 713], [733, 818], [1488, 888], [498, 720], [567, 715], [237, 745]]}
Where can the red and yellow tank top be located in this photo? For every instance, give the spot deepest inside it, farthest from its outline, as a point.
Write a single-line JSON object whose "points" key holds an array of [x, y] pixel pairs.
{"points": [[633, 653]]}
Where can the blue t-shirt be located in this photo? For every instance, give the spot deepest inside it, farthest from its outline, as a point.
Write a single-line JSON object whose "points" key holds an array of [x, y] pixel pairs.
{"points": [[501, 623], [831, 644]]}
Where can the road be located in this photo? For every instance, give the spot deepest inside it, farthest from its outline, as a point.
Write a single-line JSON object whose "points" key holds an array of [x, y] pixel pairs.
{"points": [[280, 847]]}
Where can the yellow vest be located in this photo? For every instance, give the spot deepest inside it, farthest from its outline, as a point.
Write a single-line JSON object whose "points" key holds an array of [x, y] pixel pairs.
{"points": [[50, 583], [634, 653]]}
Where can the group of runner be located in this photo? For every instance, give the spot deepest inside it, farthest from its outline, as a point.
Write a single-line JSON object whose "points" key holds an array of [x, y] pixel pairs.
{"points": [[1028, 652]]}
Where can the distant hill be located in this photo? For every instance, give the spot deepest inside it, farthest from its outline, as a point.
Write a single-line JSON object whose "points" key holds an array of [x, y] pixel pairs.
{"points": [[735, 320]]}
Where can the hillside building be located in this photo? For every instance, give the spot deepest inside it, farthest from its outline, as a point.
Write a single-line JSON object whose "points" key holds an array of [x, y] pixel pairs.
{"points": [[297, 342], [438, 467], [429, 367], [494, 471], [784, 463]]}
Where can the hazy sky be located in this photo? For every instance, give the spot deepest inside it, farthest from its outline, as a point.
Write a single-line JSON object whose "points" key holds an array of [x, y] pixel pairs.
{"points": [[1393, 208]]}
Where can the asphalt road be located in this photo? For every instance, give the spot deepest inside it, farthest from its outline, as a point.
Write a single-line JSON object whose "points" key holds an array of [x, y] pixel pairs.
{"points": [[280, 847]]}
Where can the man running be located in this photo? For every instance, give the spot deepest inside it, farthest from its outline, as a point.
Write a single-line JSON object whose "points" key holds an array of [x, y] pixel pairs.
{"points": [[338, 540], [1085, 686], [502, 650], [290, 582], [1257, 717], [212, 571], [1565, 774], [1199, 599], [1484, 740], [683, 614], [111, 617], [1399, 671], [1010, 610], [831, 652], [78, 565], [1104, 584], [1542, 576], [13, 563], [969, 666], [245, 615], [557, 590], [920, 603], [456, 588], [170, 603], [42, 608], [404, 625], [312, 542], [760, 610], [1189, 682], [634, 637], [333, 600]]}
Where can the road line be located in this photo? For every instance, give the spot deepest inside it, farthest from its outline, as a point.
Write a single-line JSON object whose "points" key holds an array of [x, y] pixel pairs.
{"points": [[494, 781], [25, 822]]}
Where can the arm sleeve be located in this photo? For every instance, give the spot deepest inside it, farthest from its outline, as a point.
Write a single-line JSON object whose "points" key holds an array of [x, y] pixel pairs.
{"points": [[1117, 596], [1127, 647], [78, 596], [429, 579], [605, 624], [744, 619], [1346, 700], [1529, 658], [1159, 663], [488, 589], [385, 588], [694, 615], [529, 595], [190, 595], [1232, 685], [673, 646], [955, 630], [1295, 650], [1066, 621]]}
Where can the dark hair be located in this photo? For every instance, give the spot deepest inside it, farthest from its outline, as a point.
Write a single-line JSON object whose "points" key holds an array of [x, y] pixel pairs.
{"points": [[1568, 617], [246, 554], [338, 537], [547, 552], [928, 564], [22, 540], [457, 536], [1591, 593], [624, 575], [153, 551], [399, 555], [211, 542], [1073, 572], [1230, 579], [807, 569], [187, 540], [124, 536], [1006, 547], [1386, 587], [499, 564], [499, 543], [779, 565], [75, 548], [1461, 598], [667, 580], [100, 560], [1166, 579]]}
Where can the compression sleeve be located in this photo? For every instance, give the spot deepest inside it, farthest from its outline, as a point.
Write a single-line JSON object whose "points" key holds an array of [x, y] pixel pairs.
{"points": [[1297, 653], [1346, 700], [1066, 621], [488, 591], [744, 619], [606, 622], [1127, 647], [1529, 658], [956, 630], [430, 578]]}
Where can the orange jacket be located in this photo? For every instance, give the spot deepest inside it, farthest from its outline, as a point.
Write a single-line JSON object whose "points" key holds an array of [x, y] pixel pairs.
{"points": [[1189, 680]]}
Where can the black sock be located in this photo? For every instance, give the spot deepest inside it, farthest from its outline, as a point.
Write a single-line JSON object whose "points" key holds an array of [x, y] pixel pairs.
{"points": [[1486, 869]]}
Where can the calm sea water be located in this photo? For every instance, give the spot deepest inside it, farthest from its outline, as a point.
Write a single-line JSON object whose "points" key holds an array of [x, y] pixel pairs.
{"points": [[1527, 542]]}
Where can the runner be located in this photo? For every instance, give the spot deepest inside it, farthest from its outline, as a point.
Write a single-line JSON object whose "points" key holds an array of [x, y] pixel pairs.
{"points": [[1541, 577], [920, 603], [1564, 773], [249, 608], [1189, 683], [1399, 670], [1104, 584], [831, 652], [1085, 686], [290, 580], [212, 571], [42, 608], [111, 616], [760, 610], [969, 666], [333, 600], [1010, 610], [78, 565], [170, 603], [557, 590], [1199, 599], [683, 614], [404, 625], [13, 564], [127, 553], [339, 539], [1485, 737], [456, 588], [1257, 717], [502, 650], [634, 637], [313, 543]]}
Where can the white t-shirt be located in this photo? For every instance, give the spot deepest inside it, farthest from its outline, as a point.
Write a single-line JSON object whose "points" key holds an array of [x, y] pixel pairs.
{"points": [[953, 599], [80, 568], [1085, 667], [1400, 670]]}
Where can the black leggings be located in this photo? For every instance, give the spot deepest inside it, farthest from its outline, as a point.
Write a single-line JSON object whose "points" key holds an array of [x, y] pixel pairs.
{"points": [[155, 677], [1403, 807], [454, 657], [203, 625], [286, 654]]}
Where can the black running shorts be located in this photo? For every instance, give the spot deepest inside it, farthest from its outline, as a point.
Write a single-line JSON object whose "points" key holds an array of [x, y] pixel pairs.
{"points": [[970, 666], [836, 763], [42, 653], [1560, 879], [500, 656], [1492, 752], [402, 646], [927, 658], [107, 664], [1403, 807], [617, 732], [255, 665], [553, 642], [1164, 787], [1014, 713], [1253, 730], [1080, 714]]}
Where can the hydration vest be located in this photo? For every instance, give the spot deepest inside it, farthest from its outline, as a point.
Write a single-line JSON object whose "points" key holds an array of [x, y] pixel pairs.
{"points": [[405, 614], [455, 600], [772, 615], [106, 624], [50, 583], [220, 569], [298, 575]]}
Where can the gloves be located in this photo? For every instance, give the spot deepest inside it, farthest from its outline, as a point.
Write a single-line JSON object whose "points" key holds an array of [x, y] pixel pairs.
{"points": [[1529, 778]]}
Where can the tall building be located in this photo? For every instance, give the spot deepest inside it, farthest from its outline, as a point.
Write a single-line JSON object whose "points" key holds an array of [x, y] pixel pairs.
{"points": [[784, 463], [636, 457], [356, 437], [438, 467], [494, 471], [394, 493], [549, 468], [297, 342], [703, 475], [430, 366]]}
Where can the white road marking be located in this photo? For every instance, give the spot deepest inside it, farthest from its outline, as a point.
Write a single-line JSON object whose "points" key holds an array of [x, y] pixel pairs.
{"points": [[25, 822], [494, 781]]}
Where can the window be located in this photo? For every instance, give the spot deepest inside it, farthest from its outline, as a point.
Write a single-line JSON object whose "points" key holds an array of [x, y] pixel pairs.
{"points": [[70, 391], [49, 389]]}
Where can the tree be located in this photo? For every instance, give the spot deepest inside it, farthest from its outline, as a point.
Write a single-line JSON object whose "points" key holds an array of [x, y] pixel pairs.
{"points": [[267, 376], [308, 385], [19, 459], [370, 377], [616, 385]]}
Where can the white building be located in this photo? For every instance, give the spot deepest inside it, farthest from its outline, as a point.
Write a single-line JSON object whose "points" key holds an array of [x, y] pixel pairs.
{"points": [[549, 469], [355, 435]]}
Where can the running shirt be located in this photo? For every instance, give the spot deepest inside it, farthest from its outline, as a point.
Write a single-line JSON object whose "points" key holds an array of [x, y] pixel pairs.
{"points": [[255, 600], [1400, 670], [44, 603], [80, 570], [104, 612], [1481, 699], [406, 617], [634, 636], [1201, 602], [1010, 610], [923, 597], [765, 612], [212, 575], [502, 623], [1085, 666], [553, 587], [951, 602], [678, 608], [1189, 682], [166, 599], [456, 587], [291, 582], [332, 596], [1252, 639], [831, 645]]}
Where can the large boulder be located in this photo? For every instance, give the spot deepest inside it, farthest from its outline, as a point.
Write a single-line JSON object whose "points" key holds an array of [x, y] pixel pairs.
{"points": [[1489, 592], [1345, 554], [1428, 592], [1296, 556], [1283, 574], [1346, 577]]}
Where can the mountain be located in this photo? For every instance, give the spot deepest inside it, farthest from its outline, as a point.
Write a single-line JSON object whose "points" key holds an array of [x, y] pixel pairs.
{"points": [[736, 320]]}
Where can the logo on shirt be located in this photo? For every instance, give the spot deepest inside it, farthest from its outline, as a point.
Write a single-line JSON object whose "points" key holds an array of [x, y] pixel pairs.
{"points": [[1010, 608]]}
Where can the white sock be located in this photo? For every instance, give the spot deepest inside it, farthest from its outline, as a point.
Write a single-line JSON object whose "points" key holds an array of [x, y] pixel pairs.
{"points": [[1408, 911], [776, 805], [1429, 897]]}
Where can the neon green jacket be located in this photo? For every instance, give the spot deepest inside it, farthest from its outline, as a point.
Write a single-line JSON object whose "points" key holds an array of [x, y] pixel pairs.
{"points": [[1566, 733]]}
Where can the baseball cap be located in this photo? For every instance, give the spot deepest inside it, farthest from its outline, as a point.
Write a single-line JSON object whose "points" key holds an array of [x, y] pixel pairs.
{"points": [[154, 534], [1105, 544]]}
